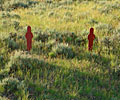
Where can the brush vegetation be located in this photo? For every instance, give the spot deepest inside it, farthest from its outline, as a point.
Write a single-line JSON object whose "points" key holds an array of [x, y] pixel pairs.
{"points": [[59, 66]]}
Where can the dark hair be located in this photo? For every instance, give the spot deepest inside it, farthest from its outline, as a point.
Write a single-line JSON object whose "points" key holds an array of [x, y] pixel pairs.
{"points": [[91, 30], [28, 28]]}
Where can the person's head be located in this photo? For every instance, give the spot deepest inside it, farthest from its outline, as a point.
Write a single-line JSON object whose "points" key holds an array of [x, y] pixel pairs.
{"points": [[29, 29], [91, 30]]}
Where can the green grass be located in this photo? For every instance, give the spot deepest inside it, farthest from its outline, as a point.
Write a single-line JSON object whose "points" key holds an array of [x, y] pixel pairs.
{"points": [[62, 70]]}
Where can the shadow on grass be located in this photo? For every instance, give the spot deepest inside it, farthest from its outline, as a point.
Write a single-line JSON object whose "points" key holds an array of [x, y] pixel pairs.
{"points": [[49, 81], [92, 57]]}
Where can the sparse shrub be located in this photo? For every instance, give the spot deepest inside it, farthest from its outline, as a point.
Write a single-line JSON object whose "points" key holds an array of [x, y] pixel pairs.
{"points": [[11, 42], [115, 44], [107, 43], [51, 42], [69, 37], [96, 45], [112, 44], [66, 2], [16, 25], [1, 60], [46, 48], [101, 2], [4, 73], [41, 48], [42, 37], [52, 54], [116, 72], [37, 47], [8, 15], [16, 16], [5, 15], [15, 41], [116, 5], [65, 7], [21, 66], [117, 30], [108, 7], [105, 9], [93, 21], [59, 38], [104, 28], [14, 4], [5, 23], [54, 35], [82, 15], [80, 41], [4, 98], [32, 3], [51, 31], [51, 13], [12, 45], [68, 19], [13, 88], [4, 54], [84, 33], [18, 5], [68, 14], [64, 50], [48, 1]]}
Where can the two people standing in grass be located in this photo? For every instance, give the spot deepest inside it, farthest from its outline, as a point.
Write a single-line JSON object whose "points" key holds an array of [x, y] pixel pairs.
{"points": [[29, 37]]}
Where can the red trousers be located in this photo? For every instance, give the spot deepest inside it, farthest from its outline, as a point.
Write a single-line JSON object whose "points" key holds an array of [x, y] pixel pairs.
{"points": [[90, 45], [29, 44]]}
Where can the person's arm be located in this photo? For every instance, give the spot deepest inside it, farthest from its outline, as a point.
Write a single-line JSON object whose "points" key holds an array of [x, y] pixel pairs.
{"points": [[32, 35]]}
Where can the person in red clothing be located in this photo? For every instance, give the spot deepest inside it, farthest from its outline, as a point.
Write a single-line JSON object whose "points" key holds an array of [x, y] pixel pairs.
{"points": [[91, 37], [29, 37]]}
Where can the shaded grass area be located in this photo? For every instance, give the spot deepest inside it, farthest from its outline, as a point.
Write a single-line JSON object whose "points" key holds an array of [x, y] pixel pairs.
{"points": [[46, 80], [58, 79], [59, 66]]}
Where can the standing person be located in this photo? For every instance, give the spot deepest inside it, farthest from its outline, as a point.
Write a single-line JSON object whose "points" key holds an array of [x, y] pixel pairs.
{"points": [[29, 37], [91, 37]]}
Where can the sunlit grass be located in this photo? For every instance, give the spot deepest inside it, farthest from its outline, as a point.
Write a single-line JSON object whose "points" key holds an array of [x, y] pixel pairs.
{"points": [[86, 76]]}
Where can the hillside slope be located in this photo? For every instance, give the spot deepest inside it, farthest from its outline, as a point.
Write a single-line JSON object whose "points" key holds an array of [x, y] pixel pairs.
{"points": [[59, 66]]}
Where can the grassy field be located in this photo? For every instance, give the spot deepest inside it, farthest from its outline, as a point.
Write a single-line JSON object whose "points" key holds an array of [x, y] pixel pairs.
{"points": [[59, 66]]}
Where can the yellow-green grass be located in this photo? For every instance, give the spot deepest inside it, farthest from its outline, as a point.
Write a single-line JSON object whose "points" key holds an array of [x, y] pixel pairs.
{"points": [[58, 22], [86, 76]]}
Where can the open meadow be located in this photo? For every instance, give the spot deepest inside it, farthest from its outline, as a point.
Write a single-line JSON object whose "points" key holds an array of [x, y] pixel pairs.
{"points": [[59, 65]]}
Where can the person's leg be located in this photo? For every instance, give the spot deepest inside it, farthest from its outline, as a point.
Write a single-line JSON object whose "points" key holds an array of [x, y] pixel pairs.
{"points": [[28, 47], [89, 47]]}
